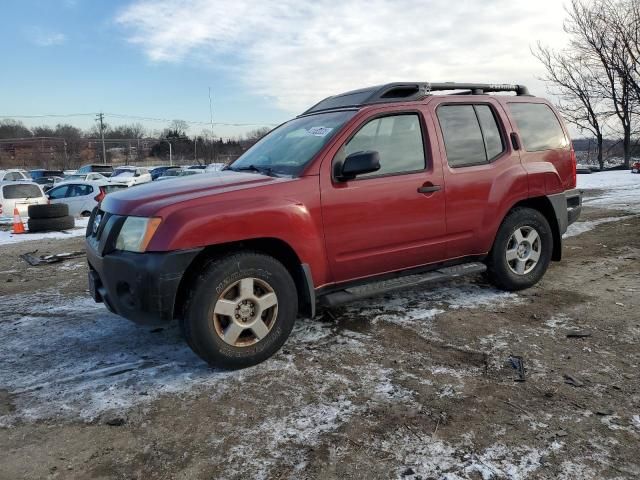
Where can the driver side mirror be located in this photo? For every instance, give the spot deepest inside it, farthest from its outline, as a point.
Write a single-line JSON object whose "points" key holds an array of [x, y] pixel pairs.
{"points": [[359, 163]]}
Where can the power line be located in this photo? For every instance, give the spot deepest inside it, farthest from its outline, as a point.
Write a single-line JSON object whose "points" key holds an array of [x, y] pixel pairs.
{"points": [[137, 117]]}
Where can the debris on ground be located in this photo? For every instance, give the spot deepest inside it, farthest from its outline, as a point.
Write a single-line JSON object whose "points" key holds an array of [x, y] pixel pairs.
{"points": [[578, 333], [517, 363], [34, 261], [572, 380]]}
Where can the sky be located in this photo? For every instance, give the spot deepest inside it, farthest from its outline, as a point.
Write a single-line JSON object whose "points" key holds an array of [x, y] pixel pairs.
{"points": [[264, 61]]}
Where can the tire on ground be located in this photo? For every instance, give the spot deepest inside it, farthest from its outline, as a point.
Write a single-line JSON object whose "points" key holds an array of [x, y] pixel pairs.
{"points": [[50, 224], [54, 210], [197, 323], [498, 270]]}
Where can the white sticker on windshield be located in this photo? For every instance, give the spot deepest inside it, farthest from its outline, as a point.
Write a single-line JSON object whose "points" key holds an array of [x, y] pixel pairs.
{"points": [[319, 131]]}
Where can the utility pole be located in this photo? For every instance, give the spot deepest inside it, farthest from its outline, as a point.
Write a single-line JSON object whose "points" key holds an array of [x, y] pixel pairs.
{"points": [[195, 149], [170, 154], [104, 151], [66, 157], [211, 119]]}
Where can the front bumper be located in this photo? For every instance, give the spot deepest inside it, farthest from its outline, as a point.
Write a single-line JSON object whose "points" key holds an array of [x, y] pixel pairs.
{"points": [[141, 287]]}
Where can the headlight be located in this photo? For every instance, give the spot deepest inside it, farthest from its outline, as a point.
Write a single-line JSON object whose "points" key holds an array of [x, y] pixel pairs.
{"points": [[136, 233]]}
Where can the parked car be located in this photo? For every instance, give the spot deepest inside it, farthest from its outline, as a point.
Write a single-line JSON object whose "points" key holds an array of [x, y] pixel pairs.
{"points": [[105, 170], [81, 196], [20, 194], [635, 168], [215, 167], [171, 174], [41, 172], [14, 175], [157, 172], [381, 189], [86, 177], [195, 167], [130, 176], [47, 182], [583, 169]]}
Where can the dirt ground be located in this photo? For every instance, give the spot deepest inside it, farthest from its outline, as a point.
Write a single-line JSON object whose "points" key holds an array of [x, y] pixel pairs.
{"points": [[415, 385]]}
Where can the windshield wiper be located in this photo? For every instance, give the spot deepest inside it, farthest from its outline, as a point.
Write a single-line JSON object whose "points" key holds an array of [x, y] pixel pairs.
{"points": [[254, 168]]}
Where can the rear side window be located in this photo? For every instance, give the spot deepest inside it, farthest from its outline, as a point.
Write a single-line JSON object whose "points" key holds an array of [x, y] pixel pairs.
{"points": [[471, 134], [538, 126], [21, 190], [398, 140]]}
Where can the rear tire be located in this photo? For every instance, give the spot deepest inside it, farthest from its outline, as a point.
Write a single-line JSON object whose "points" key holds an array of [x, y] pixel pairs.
{"points": [[241, 310], [54, 210], [50, 224], [522, 250]]}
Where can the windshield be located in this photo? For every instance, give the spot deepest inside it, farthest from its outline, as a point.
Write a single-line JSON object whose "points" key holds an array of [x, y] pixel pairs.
{"points": [[75, 178], [122, 172], [290, 147], [21, 190]]}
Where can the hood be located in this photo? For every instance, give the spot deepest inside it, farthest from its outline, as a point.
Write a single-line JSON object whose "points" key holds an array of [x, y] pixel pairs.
{"points": [[151, 198]]}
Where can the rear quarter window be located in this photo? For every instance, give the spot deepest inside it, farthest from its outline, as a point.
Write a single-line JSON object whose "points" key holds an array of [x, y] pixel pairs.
{"points": [[11, 192], [538, 126]]}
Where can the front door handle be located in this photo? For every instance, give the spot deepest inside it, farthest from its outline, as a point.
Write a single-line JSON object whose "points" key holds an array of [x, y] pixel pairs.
{"points": [[428, 188]]}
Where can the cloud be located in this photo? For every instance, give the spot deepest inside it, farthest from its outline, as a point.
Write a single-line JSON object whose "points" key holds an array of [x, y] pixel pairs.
{"points": [[299, 52], [45, 38]]}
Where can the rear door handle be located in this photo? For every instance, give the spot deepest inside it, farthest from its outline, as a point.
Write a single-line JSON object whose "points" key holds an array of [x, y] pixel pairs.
{"points": [[429, 188]]}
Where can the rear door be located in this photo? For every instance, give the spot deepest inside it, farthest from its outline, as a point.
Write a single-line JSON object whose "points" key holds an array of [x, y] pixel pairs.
{"points": [[388, 220], [20, 196], [482, 171]]}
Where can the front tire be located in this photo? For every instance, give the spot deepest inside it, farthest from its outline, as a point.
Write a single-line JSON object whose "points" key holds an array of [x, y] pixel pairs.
{"points": [[241, 311], [522, 250]]}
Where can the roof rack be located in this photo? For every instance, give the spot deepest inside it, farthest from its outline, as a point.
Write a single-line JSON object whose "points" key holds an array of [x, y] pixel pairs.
{"points": [[408, 92]]}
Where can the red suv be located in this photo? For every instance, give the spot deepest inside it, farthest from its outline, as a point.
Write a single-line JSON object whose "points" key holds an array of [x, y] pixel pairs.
{"points": [[370, 191]]}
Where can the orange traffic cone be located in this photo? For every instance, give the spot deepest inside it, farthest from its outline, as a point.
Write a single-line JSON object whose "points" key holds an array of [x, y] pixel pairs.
{"points": [[18, 227]]}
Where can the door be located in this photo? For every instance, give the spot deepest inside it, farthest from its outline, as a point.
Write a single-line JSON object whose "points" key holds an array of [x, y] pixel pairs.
{"points": [[482, 172], [387, 220]]}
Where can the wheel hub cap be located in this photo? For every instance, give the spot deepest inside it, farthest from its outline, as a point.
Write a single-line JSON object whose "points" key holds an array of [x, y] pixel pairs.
{"points": [[245, 312], [523, 250]]}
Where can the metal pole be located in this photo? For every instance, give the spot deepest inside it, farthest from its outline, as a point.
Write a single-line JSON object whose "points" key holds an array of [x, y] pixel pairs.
{"points": [[104, 150], [66, 157]]}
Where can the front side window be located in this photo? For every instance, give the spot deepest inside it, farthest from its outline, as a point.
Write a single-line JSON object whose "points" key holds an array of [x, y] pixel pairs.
{"points": [[289, 148], [58, 192], [396, 138], [538, 126]]}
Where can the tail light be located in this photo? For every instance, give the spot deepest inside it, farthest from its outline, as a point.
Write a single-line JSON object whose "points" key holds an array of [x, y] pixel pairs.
{"points": [[574, 167], [98, 198], [0, 209]]}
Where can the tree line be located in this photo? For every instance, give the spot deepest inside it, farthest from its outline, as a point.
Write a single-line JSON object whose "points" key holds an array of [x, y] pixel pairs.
{"points": [[596, 77], [65, 144]]}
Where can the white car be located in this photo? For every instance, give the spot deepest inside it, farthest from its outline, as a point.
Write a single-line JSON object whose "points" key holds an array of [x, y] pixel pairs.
{"points": [[130, 176], [86, 177], [180, 174], [81, 197], [14, 175], [215, 167], [20, 194]]}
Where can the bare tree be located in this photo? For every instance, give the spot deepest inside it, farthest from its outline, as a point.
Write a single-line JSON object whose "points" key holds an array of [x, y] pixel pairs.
{"points": [[575, 83], [597, 40]]}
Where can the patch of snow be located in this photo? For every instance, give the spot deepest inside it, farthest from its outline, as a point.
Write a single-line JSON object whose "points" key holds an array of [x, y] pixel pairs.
{"points": [[7, 237], [622, 190], [579, 228], [71, 358]]}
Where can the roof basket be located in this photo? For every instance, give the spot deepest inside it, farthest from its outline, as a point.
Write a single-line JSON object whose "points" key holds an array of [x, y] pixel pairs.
{"points": [[407, 92]]}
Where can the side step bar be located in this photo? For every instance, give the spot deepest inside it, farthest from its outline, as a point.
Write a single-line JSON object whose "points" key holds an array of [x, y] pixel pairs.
{"points": [[385, 286]]}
